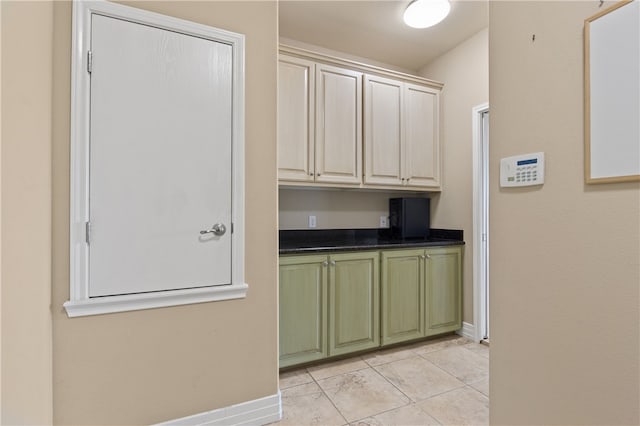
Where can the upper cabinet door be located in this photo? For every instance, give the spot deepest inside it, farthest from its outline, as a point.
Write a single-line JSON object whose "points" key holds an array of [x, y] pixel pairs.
{"points": [[338, 149], [296, 84], [383, 100], [421, 140]]}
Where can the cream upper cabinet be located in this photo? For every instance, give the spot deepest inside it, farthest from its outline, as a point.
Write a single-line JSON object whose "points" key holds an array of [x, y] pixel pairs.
{"points": [[421, 137], [338, 148], [296, 115], [401, 142], [383, 105], [319, 123], [347, 124]]}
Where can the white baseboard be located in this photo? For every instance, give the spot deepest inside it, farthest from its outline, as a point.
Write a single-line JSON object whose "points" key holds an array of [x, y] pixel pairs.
{"points": [[257, 412], [468, 331]]}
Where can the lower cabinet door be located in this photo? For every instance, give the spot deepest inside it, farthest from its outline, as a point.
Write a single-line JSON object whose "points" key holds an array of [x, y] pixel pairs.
{"points": [[402, 296], [443, 272], [303, 309], [353, 302]]}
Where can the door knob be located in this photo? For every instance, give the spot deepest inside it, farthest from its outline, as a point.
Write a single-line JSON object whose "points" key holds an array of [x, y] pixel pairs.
{"points": [[217, 229]]}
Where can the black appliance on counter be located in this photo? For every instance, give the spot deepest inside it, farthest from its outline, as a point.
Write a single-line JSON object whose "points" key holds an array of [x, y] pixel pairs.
{"points": [[409, 217]]}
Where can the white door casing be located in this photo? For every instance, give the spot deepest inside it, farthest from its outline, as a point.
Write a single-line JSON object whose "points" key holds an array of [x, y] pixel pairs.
{"points": [[157, 157], [480, 120]]}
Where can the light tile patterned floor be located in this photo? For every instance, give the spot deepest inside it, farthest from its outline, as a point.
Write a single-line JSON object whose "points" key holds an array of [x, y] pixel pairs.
{"points": [[437, 382]]}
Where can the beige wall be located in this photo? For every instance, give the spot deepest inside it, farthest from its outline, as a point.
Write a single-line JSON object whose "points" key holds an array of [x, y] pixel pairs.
{"points": [[565, 257], [334, 209], [148, 366], [26, 213], [465, 73], [343, 55]]}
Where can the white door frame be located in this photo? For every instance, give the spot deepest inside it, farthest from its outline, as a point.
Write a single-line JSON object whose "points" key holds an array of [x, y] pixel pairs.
{"points": [[480, 250], [80, 303]]}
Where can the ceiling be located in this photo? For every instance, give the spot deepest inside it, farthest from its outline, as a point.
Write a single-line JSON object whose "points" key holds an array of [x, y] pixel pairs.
{"points": [[374, 29]]}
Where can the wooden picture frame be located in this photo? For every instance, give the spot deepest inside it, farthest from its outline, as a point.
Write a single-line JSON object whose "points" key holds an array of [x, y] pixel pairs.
{"points": [[612, 94]]}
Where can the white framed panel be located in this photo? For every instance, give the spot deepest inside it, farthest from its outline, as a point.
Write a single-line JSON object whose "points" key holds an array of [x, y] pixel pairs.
{"points": [[612, 94], [81, 302]]}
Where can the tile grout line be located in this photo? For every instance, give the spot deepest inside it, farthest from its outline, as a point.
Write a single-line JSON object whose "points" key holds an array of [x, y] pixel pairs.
{"points": [[437, 394], [452, 375], [327, 396], [440, 394], [390, 382]]}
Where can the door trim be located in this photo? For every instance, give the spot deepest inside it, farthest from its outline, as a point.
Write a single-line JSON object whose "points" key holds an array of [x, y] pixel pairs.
{"points": [[479, 284], [80, 303]]}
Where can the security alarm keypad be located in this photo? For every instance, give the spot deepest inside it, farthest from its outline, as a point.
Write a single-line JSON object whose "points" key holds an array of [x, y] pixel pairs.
{"points": [[522, 170]]}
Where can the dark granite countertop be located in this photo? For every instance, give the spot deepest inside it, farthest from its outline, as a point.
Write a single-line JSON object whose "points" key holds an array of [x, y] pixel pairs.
{"points": [[324, 240]]}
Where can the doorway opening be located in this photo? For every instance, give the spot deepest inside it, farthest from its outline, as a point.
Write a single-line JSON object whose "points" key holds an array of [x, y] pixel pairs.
{"points": [[480, 117]]}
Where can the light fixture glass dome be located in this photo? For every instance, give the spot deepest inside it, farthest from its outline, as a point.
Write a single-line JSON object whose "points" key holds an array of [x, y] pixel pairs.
{"points": [[426, 13]]}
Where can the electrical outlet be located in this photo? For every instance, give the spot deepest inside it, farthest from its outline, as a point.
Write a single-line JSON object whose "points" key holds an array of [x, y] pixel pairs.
{"points": [[312, 221], [384, 222]]}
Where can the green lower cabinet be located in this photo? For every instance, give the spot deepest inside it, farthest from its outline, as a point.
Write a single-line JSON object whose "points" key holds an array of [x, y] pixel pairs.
{"points": [[402, 295], [443, 288], [353, 302], [303, 309], [421, 293], [346, 302]]}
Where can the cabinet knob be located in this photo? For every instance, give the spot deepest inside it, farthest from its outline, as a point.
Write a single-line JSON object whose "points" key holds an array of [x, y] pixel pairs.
{"points": [[325, 263], [318, 174], [428, 256], [332, 263], [423, 257], [310, 174]]}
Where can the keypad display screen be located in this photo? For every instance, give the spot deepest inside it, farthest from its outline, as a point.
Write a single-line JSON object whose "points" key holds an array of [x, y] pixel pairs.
{"points": [[525, 162]]}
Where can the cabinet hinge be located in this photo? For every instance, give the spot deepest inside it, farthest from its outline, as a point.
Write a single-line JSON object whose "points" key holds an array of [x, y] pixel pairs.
{"points": [[87, 231], [89, 61]]}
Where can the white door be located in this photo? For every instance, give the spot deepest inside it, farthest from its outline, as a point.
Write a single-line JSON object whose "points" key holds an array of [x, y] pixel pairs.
{"points": [[160, 159], [480, 118], [485, 223]]}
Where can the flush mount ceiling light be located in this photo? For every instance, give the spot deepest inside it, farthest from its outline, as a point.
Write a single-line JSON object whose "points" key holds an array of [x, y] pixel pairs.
{"points": [[426, 13]]}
